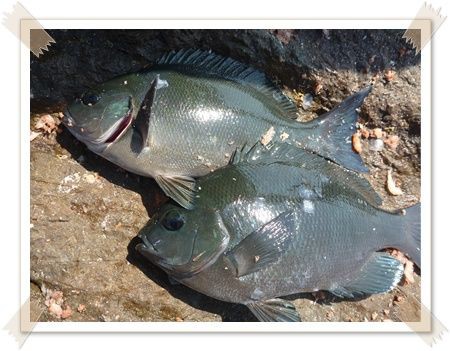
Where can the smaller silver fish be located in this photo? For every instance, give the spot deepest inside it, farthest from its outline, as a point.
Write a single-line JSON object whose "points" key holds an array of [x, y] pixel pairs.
{"points": [[185, 116], [277, 222]]}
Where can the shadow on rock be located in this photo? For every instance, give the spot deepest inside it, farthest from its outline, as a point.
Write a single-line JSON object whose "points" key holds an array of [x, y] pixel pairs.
{"points": [[152, 196], [228, 311]]}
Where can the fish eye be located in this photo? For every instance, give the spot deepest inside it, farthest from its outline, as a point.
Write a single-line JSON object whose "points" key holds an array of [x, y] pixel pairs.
{"points": [[173, 221], [90, 98]]}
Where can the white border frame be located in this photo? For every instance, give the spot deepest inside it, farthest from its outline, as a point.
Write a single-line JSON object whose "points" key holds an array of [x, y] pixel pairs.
{"points": [[422, 326]]}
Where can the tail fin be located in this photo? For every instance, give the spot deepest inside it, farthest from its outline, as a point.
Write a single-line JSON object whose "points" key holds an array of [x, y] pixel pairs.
{"points": [[411, 229], [334, 131]]}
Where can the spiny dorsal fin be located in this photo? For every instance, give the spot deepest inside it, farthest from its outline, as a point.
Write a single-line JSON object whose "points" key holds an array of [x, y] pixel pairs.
{"points": [[209, 63], [283, 152]]}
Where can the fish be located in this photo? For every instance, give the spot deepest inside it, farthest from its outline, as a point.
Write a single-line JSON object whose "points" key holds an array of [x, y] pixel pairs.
{"points": [[184, 117], [280, 221]]}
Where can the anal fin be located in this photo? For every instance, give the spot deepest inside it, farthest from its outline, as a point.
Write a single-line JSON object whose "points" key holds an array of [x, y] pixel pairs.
{"points": [[179, 188], [381, 273], [275, 310]]}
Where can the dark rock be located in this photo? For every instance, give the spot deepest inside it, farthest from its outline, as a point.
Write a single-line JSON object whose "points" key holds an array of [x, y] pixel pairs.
{"points": [[82, 58]]}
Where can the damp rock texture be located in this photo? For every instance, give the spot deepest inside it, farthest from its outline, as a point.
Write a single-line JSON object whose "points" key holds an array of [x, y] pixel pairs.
{"points": [[86, 212]]}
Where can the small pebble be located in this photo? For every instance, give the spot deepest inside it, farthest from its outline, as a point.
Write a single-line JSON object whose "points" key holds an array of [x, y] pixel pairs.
{"points": [[392, 141], [378, 133], [55, 309], [318, 88], [66, 313], [307, 101], [376, 144], [365, 133], [391, 186], [389, 75], [398, 299], [89, 178], [356, 143]]}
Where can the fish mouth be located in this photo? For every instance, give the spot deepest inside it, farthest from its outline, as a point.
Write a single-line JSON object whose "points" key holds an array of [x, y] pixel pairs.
{"points": [[150, 252], [119, 128], [113, 134], [182, 271], [147, 249]]}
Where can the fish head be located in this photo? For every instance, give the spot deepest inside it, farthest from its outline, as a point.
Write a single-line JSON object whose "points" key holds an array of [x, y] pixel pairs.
{"points": [[183, 242], [101, 115]]}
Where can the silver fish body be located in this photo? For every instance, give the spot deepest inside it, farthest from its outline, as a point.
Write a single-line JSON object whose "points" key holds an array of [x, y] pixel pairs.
{"points": [[185, 117]]}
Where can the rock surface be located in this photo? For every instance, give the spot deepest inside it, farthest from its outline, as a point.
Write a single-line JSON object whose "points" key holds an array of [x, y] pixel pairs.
{"points": [[86, 212]]}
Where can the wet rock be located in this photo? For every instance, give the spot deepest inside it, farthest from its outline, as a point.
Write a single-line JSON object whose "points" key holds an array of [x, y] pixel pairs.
{"points": [[297, 58]]}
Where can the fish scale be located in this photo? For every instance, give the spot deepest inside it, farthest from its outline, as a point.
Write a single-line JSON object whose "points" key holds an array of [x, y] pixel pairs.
{"points": [[278, 221], [191, 112], [317, 238], [185, 116]]}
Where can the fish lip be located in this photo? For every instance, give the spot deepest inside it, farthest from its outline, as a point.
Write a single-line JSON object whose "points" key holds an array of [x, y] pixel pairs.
{"points": [[113, 134], [148, 250], [147, 243], [67, 119]]}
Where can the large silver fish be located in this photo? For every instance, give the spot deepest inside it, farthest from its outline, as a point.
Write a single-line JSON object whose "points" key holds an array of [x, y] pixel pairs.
{"points": [[278, 222], [185, 116]]}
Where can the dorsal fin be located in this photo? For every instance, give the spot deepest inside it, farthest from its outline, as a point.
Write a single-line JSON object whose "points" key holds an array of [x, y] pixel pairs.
{"points": [[284, 152], [209, 63]]}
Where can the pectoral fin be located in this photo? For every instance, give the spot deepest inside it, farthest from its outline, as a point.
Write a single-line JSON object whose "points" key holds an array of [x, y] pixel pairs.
{"points": [[142, 122], [264, 246], [381, 273], [275, 310], [179, 188]]}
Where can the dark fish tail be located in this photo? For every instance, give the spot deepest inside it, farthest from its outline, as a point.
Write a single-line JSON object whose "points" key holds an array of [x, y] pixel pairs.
{"points": [[408, 233], [330, 135]]}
